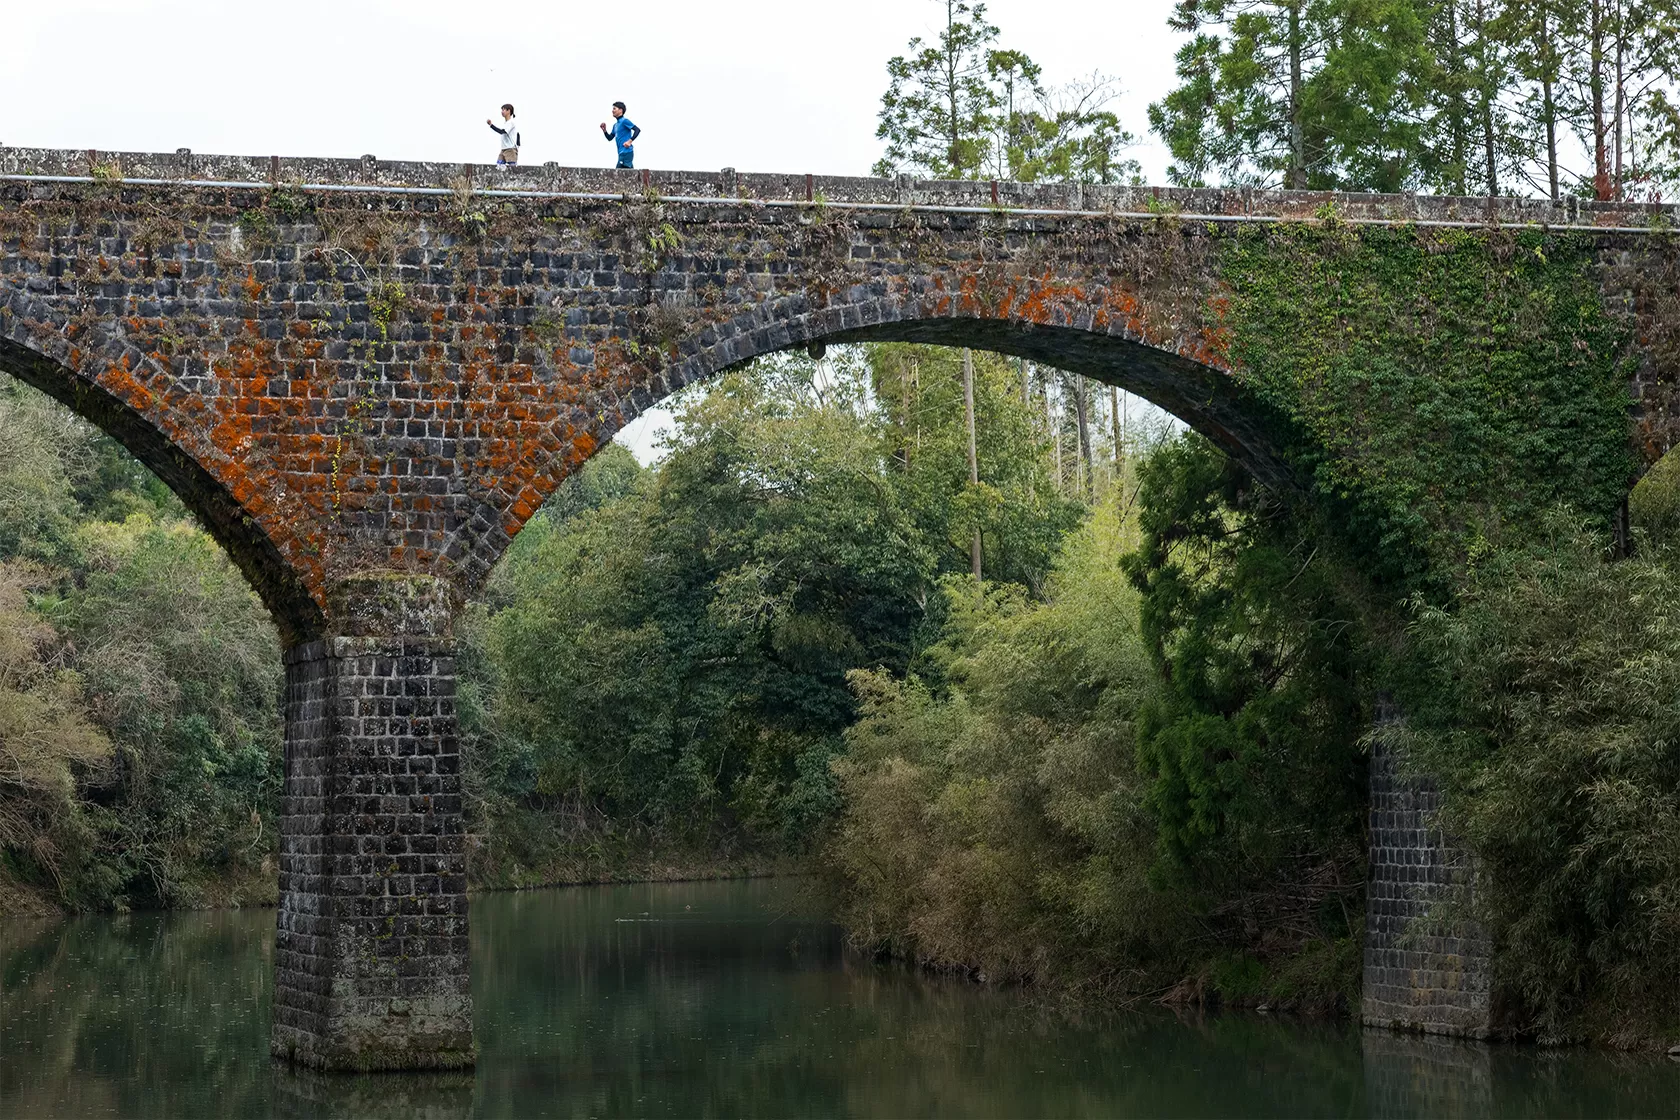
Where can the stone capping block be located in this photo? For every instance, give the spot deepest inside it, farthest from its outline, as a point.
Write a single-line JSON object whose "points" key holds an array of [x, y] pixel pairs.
{"points": [[392, 603], [901, 191]]}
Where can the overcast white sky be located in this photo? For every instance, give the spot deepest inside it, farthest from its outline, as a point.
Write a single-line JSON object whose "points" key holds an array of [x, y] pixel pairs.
{"points": [[758, 85]]}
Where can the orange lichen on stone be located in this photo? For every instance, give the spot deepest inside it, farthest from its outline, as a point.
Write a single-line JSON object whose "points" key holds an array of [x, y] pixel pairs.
{"points": [[120, 383], [1039, 305]]}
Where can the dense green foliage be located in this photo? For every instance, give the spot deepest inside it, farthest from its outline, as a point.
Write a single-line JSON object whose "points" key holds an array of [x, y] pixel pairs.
{"points": [[139, 683], [49, 744], [1306, 95], [993, 815], [1251, 743], [1545, 702], [662, 658], [1526, 365], [1534, 673], [1456, 96], [1132, 783]]}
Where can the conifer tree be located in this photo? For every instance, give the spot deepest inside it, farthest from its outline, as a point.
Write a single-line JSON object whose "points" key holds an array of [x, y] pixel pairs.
{"points": [[941, 108], [1240, 110], [964, 108]]}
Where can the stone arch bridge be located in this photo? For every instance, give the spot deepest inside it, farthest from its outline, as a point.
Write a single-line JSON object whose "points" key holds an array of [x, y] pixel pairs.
{"points": [[364, 377]]}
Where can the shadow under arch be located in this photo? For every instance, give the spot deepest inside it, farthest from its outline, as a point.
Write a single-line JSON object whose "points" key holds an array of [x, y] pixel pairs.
{"points": [[295, 612]]}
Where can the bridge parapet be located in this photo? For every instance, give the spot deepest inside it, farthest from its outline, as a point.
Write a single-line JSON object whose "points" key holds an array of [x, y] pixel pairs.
{"points": [[187, 169]]}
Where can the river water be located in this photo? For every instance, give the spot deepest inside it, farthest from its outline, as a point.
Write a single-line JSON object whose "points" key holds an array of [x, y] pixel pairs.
{"points": [[714, 999]]}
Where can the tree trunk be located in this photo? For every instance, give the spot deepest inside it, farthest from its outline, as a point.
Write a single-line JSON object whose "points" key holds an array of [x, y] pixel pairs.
{"points": [[1055, 433], [954, 137], [1488, 87], [1487, 143], [916, 396], [973, 445], [1601, 138], [1548, 102], [1114, 420], [1082, 410], [1458, 140], [1621, 94], [1026, 405], [1297, 177], [904, 413]]}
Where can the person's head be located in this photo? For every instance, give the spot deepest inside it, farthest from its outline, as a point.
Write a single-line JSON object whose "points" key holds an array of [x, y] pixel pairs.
{"points": [[507, 111], [618, 108]]}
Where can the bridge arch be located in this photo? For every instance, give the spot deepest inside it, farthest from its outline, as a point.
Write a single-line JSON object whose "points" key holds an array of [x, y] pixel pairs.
{"points": [[170, 449], [1205, 396]]}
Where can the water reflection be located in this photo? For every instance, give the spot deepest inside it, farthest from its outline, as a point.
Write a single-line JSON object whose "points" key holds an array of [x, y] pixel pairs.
{"points": [[712, 1000]]}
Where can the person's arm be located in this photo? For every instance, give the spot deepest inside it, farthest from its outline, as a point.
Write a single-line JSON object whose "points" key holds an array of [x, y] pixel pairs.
{"points": [[607, 132], [635, 131], [493, 128]]}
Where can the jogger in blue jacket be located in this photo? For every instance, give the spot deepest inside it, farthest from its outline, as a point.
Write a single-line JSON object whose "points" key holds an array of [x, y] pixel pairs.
{"points": [[622, 133]]}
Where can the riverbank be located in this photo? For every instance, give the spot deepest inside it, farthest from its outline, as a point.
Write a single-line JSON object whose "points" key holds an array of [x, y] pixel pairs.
{"points": [[597, 867], [19, 901], [577, 869]]}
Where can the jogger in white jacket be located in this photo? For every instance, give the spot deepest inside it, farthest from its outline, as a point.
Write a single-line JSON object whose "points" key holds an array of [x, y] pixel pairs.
{"points": [[509, 130]]}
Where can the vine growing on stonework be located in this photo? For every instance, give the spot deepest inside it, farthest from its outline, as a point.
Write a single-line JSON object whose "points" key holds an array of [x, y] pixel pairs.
{"points": [[1447, 383]]}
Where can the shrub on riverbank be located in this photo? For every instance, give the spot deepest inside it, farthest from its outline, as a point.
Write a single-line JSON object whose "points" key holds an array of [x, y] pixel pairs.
{"points": [[1549, 708], [1144, 785], [48, 744], [139, 684], [993, 813]]}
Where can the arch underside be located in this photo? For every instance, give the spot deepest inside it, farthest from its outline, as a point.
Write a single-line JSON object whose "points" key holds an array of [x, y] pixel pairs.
{"points": [[296, 613], [1207, 399], [1204, 398]]}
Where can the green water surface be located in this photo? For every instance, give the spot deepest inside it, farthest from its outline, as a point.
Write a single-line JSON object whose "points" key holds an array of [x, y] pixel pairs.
{"points": [[715, 999]]}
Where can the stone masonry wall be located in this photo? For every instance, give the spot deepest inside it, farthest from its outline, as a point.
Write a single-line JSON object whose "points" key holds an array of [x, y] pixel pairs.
{"points": [[371, 948], [1427, 962], [369, 382]]}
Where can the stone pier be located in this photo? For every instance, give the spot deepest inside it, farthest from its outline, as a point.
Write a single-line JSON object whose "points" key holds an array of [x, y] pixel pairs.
{"points": [[371, 950], [1427, 961]]}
